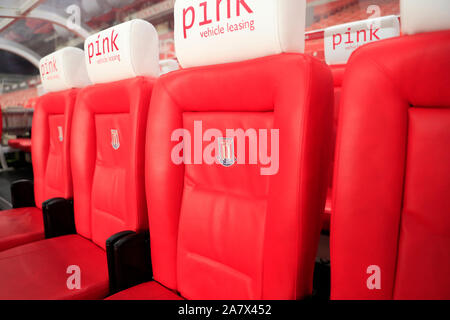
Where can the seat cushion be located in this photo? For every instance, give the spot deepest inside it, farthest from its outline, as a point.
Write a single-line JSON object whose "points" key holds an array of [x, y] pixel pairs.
{"points": [[15, 143], [25, 145], [39, 270], [146, 291], [20, 226]]}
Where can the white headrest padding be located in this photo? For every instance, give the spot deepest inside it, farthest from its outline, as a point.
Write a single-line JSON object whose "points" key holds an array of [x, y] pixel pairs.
{"points": [[424, 16], [127, 50], [341, 40], [64, 69], [250, 29]]}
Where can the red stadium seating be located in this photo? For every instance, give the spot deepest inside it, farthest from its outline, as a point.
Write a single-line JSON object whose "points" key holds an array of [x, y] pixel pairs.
{"points": [[338, 75], [14, 143], [390, 226], [337, 58], [51, 167], [107, 162], [50, 145], [227, 154], [23, 144], [214, 229]]}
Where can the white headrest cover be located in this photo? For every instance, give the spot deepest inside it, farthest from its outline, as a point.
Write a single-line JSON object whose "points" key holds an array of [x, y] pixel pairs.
{"points": [[341, 40], [124, 51], [424, 16], [237, 30], [64, 69]]}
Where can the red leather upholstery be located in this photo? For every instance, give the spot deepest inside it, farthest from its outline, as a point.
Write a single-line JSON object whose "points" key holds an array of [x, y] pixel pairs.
{"points": [[50, 145], [231, 233], [109, 184], [109, 196], [25, 145], [51, 167], [15, 143], [146, 291], [338, 76], [391, 203], [38, 270], [20, 226]]}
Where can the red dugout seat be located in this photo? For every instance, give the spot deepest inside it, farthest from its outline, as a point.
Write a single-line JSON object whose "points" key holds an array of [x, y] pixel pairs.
{"points": [[338, 75], [390, 229], [17, 142], [229, 228], [337, 52], [25, 145], [49, 146], [107, 160]]}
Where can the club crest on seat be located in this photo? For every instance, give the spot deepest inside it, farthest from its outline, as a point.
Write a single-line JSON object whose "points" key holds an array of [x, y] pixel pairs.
{"points": [[226, 151], [60, 134], [115, 139]]}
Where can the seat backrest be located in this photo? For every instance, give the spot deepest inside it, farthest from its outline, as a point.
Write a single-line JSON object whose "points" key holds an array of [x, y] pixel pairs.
{"points": [[108, 132], [338, 76], [390, 227], [339, 42], [62, 73], [234, 155]]}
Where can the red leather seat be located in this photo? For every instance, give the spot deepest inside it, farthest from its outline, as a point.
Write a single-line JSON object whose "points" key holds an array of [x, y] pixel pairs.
{"points": [[25, 145], [39, 270], [15, 143], [337, 56], [338, 75], [107, 161], [229, 231], [49, 148], [390, 234], [20, 226]]}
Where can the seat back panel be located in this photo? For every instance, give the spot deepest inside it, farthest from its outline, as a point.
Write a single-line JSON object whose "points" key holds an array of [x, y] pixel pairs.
{"points": [[112, 177], [50, 146], [55, 164], [221, 231], [107, 158], [425, 224]]}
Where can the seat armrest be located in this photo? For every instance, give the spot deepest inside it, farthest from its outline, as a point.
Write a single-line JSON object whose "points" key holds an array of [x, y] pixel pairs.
{"points": [[58, 217], [129, 261], [22, 194]]}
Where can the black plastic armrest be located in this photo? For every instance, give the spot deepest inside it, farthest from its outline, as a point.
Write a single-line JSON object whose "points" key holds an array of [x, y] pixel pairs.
{"points": [[22, 194], [58, 217], [129, 261]]}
